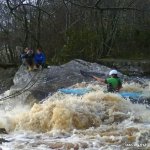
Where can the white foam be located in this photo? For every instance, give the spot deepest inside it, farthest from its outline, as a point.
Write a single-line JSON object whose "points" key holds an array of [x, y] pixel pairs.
{"points": [[94, 121]]}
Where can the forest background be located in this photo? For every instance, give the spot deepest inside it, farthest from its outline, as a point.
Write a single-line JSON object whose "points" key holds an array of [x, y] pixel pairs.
{"points": [[75, 29]]}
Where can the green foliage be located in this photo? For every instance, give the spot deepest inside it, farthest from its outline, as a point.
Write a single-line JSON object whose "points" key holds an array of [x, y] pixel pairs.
{"points": [[132, 43], [84, 43], [81, 44]]}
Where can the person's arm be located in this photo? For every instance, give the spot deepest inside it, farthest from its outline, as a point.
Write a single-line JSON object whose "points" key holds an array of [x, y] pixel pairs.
{"points": [[43, 58], [119, 84], [99, 79]]}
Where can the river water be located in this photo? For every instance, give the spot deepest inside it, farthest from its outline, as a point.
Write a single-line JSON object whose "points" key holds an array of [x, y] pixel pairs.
{"points": [[94, 121]]}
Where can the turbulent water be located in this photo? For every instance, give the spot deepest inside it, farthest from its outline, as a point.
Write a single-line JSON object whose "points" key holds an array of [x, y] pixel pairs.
{"points": [[96, 120]]}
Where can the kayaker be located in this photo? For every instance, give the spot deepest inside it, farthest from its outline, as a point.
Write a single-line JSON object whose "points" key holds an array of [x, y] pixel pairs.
{"points": [[114, 83]]}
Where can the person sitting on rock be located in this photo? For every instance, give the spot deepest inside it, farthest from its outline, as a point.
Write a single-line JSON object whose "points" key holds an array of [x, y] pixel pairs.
{"points": [[27, 58], [39, 59], [114, 83]]}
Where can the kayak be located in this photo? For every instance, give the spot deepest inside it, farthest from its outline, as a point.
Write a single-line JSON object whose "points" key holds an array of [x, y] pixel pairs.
{"points": [[133, 95], [82, 91], [75, 91]]}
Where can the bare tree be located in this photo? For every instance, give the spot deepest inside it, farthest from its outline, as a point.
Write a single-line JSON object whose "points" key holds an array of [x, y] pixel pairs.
{"points": [[89, 29]]}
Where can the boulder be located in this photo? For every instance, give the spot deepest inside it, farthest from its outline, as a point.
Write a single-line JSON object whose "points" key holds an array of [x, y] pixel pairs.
{"points": [[3, 131], [6, 78], [41, 83], [2, 141]]}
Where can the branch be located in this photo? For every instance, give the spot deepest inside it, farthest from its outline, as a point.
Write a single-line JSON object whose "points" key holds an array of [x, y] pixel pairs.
{"points": [[131, 3], [97, 3], [11, 9], [105, 8], [66, 5], [30, 5]]}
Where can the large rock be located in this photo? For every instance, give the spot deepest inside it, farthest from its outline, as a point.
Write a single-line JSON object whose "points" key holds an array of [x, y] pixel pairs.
{"points": [[3, 131], [36, 85], [6, 78]]}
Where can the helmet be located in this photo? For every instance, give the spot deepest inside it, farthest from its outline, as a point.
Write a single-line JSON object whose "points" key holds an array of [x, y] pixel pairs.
{"points": [[113, 72]]}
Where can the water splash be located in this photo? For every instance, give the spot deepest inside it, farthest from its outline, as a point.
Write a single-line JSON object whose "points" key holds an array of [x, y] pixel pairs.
{"points": [[91, 121]]}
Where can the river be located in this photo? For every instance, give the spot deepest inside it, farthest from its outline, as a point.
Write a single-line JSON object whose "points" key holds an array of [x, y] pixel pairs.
{"points": [[94, 121]]}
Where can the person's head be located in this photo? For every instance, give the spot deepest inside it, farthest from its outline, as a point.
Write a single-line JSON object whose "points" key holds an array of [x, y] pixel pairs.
{"points": [[26, 49], [113, 73], [38, 50]]}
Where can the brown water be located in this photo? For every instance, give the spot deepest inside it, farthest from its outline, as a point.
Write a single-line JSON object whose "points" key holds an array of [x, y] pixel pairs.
{"points": [[96, 120]]}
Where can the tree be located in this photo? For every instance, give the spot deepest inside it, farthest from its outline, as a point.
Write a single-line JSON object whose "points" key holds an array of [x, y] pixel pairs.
{"points": [[68, 29]]}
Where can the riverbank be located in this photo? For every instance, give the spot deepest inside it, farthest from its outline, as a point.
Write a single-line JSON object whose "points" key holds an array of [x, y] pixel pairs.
{"points": [[128, 67]]}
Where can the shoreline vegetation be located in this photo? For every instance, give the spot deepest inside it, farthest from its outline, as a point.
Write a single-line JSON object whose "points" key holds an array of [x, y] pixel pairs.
{"points": [[87, 30], [131, 67]]}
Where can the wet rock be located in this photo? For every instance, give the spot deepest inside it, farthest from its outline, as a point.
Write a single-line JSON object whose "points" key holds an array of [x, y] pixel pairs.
{"points": [[30, 100], [3, 131], [71, 146], [144, 137], [6, 78], [76, 147], [3, 140], [68, 146], [56, 145], [84, 145]]}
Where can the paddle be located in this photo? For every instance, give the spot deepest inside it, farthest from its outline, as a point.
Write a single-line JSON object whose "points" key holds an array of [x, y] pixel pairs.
{"points": [[91, 74], [85, 74]]}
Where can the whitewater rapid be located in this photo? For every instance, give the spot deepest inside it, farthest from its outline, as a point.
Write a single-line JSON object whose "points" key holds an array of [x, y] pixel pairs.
{"points": [[96, 120]]}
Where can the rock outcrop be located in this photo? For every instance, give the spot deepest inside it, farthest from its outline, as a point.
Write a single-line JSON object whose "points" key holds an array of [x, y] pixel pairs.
{"points": [[43, 82], [6, 78]]}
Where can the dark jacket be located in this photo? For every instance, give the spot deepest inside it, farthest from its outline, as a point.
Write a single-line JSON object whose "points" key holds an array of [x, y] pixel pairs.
{"points": [[28, 54]]}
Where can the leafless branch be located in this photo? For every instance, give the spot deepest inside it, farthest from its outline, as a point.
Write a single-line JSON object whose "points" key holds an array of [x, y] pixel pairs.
{"points": [[105, 8]]}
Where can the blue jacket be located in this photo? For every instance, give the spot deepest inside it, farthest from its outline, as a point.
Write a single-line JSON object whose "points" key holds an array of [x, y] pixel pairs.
{"points": [[40, 58]]}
